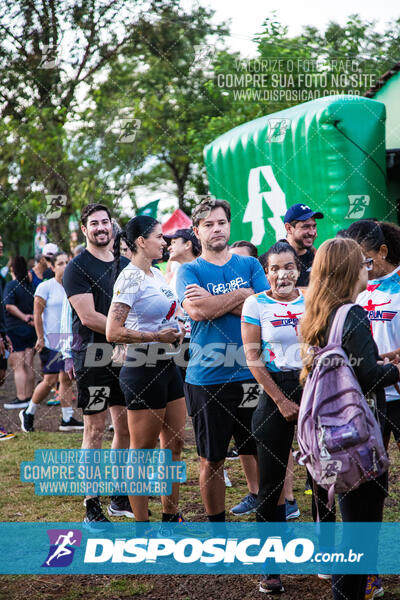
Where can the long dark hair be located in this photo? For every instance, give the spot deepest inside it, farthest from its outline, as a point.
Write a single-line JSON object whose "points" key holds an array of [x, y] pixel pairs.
{"points": [[20, 269], [141, 225], [372, 235]]}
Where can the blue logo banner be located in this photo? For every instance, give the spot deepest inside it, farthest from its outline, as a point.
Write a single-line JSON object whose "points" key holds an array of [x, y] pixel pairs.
{"points": [[193, 548]]}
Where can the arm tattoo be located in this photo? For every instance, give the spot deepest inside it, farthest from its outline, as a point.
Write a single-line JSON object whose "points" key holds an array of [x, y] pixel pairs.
{"points": [[119, 311]]}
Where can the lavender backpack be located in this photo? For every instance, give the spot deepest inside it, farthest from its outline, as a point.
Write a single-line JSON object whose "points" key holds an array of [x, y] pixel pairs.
{"points": [[339, 438]]}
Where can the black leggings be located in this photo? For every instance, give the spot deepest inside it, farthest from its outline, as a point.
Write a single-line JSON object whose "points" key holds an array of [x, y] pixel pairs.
{"points": [[274, 437], [365, 504]]}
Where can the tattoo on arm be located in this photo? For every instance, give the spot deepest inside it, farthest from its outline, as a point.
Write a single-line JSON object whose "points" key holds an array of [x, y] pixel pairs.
{"points": [[119, 311]]}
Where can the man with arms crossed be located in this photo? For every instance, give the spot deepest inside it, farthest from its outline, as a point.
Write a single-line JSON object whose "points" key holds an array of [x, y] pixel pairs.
{"points": [[220, 392], [88, 283]]}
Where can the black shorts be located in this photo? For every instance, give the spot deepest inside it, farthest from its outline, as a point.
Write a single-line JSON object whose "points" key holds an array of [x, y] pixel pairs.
{"points": [[392, 419], [151, 387], [98, 387], [3, 364], [220, 412]]}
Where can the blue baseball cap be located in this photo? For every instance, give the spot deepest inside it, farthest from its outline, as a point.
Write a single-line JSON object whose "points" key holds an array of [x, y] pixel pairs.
{"points": [[301, 212]]}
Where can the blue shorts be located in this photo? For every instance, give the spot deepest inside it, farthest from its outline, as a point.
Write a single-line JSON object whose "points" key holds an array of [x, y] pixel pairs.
{"points": [[52, 361]]}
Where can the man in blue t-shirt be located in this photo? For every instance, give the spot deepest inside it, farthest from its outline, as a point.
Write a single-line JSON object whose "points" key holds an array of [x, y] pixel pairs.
{"points": [[220, 391]]}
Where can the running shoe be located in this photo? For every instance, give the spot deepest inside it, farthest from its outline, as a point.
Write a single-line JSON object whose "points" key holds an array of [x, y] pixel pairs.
{"points": [[374, 588], [26, 421], [5, 435], [54, 399], [120, 507], [271, 584], [292, 510], [324, 576], [95, 517], [232, 454], [71, 425], [246, 506], [16, 403]]}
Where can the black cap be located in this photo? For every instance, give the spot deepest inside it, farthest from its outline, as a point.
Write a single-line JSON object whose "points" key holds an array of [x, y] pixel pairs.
{"points": [[186, 234]]}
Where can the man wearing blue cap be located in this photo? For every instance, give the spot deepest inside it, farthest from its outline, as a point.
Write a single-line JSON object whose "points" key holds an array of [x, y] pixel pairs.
{"points": [[301, 230]]}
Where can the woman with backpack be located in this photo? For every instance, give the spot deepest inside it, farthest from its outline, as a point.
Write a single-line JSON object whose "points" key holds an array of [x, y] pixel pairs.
{"points": [[271, 344], [338, 276]]}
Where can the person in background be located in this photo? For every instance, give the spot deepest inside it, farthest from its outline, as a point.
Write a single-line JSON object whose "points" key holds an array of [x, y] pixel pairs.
{"points": [[339, 275], [5, 350], [49, 297], [244, 248], [301, 229], [18, 302], [48, 251], [38, 270], [183, 248], [125, 250]]}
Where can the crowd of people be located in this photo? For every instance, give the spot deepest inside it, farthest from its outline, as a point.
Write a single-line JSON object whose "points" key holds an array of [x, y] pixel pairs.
{"points": [[217, 337]]}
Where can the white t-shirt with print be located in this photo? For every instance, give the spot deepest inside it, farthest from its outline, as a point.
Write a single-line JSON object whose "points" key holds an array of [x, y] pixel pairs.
{"points": [[53, 293], [381, 300], [279, 322], [152, 302]]}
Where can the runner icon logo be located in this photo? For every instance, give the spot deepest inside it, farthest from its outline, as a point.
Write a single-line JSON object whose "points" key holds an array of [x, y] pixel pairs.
{"points": [[251, 394], [62, 547], [98, 398]]}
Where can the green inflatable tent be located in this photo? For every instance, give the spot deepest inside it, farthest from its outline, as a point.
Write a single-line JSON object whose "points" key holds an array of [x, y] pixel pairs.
{"points": [[328, 154]]}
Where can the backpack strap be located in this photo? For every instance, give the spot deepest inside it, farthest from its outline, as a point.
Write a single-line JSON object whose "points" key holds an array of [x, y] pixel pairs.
{"points": [[336, 332]]}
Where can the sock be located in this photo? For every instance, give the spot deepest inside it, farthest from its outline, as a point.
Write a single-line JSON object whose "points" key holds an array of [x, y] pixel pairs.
{"points": [[170, 517], [291, 502], [280, 513], [67, 413], [31, 408], [220, 517]]}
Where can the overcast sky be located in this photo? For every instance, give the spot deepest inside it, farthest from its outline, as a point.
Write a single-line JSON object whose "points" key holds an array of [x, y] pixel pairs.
{"points": [[247, 16]]}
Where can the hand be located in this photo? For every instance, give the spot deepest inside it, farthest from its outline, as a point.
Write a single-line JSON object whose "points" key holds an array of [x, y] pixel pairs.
{"points": [[39, 345], [183, 331], [168, 335], [195, 292], [288, 409], [69, 368], [9, 344], [29, 319]]}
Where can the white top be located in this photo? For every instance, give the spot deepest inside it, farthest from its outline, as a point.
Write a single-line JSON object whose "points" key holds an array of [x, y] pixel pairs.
{"points": [[152, 302], [279, 322], [53, 293], [381, 300]]}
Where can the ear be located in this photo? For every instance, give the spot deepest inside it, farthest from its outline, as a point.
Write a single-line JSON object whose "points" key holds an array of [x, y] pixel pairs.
{"points": [[288, 227], [140, 241], [383, 251], [196, 232]]}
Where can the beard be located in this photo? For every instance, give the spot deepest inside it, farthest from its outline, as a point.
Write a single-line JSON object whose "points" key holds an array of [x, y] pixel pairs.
{"points": [[93, 239]]}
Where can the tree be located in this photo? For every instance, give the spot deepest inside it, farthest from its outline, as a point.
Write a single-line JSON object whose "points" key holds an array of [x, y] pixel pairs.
{"points": [[50, 55], [159, 85]]}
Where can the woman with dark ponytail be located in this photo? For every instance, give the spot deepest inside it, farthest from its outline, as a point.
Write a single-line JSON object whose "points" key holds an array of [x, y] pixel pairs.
{"points": [[143, 316]]}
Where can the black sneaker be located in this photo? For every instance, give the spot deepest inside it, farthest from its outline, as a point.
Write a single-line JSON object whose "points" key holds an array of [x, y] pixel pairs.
{"points": [[94, 514], [26, 421], [120, 507], [71, 425], [271, 584], [16, 403]]}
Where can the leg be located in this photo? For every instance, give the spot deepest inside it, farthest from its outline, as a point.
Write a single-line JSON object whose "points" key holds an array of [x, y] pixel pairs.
{"points": [[43, 388], [65, 389], [29, 353], [171, 436], [212, 486], [288, 486], [144, 429], [17, 366], [120, 423], [250, 467]]}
